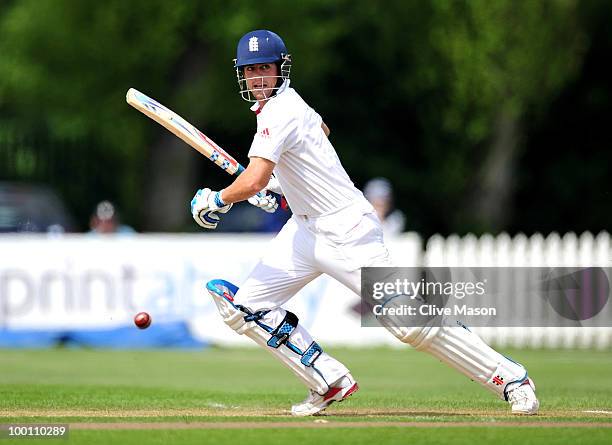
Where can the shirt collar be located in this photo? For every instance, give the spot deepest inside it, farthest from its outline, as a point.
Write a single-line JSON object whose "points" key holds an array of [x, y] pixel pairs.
{"points": [[255, 107]]}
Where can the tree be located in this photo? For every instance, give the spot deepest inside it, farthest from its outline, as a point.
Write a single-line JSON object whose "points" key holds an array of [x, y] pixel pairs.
{"points": [[504, 57], [65, 66], [433, 95]]}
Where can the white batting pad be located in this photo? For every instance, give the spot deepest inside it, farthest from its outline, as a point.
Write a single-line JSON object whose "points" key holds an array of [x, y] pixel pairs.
{"points": [[463, 350], [278, 332]]}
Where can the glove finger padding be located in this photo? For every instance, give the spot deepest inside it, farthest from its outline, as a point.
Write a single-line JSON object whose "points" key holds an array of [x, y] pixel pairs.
{"points": [[205, 209], [200, 201], [224, 209], [267, 202], [207, 219]]}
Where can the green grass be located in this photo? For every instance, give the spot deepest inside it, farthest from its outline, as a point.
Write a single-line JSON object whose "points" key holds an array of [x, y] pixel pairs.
{"points": [[455, 436], [248, 385]]}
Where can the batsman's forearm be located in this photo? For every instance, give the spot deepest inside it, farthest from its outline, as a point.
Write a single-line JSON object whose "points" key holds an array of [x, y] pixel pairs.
{"points": [[238, 191], [245, 186], [250, 182], [325, 128]]}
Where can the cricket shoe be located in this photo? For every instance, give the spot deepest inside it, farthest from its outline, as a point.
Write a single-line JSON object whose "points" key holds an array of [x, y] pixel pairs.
{"points": [[315, 403], [522, 398]]}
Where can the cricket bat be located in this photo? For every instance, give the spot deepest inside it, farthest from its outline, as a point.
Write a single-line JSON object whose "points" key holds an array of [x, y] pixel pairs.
{"points": [[184, 130]]}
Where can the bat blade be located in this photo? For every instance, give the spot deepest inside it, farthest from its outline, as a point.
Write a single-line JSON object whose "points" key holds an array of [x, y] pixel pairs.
{"points": [[184, 130]]}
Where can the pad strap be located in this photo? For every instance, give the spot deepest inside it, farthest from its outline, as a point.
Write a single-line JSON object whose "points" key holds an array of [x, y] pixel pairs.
{"points": [[251, 316], [283, 331], [312, 353]]}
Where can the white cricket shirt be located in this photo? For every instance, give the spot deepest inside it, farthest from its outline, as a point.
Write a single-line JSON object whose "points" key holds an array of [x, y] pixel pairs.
{"points": [[310, 174]]}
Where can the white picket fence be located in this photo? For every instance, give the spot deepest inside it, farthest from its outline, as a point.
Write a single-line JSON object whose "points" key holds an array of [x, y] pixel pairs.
{"points": [[554, 250]]}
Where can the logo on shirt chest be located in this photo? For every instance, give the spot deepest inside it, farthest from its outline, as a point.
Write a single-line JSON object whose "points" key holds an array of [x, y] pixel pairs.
{"points": [[265, 133]]}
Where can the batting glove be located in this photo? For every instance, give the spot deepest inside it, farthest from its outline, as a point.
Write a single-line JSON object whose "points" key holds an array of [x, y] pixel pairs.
{"points": [[205, 207], [274, 186], [266, 202]]}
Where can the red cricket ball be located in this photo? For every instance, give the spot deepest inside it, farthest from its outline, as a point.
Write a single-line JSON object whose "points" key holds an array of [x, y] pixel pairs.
{"points": [[142, 320]]}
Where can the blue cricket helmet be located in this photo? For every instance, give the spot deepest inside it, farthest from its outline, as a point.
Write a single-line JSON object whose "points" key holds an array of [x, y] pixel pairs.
{"points": [[260, 46]]}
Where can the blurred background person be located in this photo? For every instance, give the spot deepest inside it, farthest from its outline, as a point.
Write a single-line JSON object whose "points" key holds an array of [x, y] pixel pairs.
{"points": [[380, 194], [106, 220]]}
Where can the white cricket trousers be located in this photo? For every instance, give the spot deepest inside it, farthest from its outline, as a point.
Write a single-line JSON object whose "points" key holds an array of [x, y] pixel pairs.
{"points": [[338, 244]]}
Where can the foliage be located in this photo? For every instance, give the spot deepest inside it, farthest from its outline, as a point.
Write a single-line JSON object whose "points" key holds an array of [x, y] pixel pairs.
{"points": [[421, 86]]}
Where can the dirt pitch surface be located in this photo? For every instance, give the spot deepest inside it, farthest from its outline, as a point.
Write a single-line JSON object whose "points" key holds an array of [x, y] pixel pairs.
{"points": [[315, 424]]}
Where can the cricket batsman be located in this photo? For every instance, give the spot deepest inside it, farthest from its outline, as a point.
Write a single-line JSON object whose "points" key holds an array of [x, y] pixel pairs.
{"points": [[334, 230]]}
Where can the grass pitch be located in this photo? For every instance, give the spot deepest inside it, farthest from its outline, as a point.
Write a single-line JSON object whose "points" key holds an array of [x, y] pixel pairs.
{"points": [[228, 395]]}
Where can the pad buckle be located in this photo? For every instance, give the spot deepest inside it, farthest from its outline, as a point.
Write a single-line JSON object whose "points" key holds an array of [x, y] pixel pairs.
{"points": [[311, 354], [282, 333]]}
